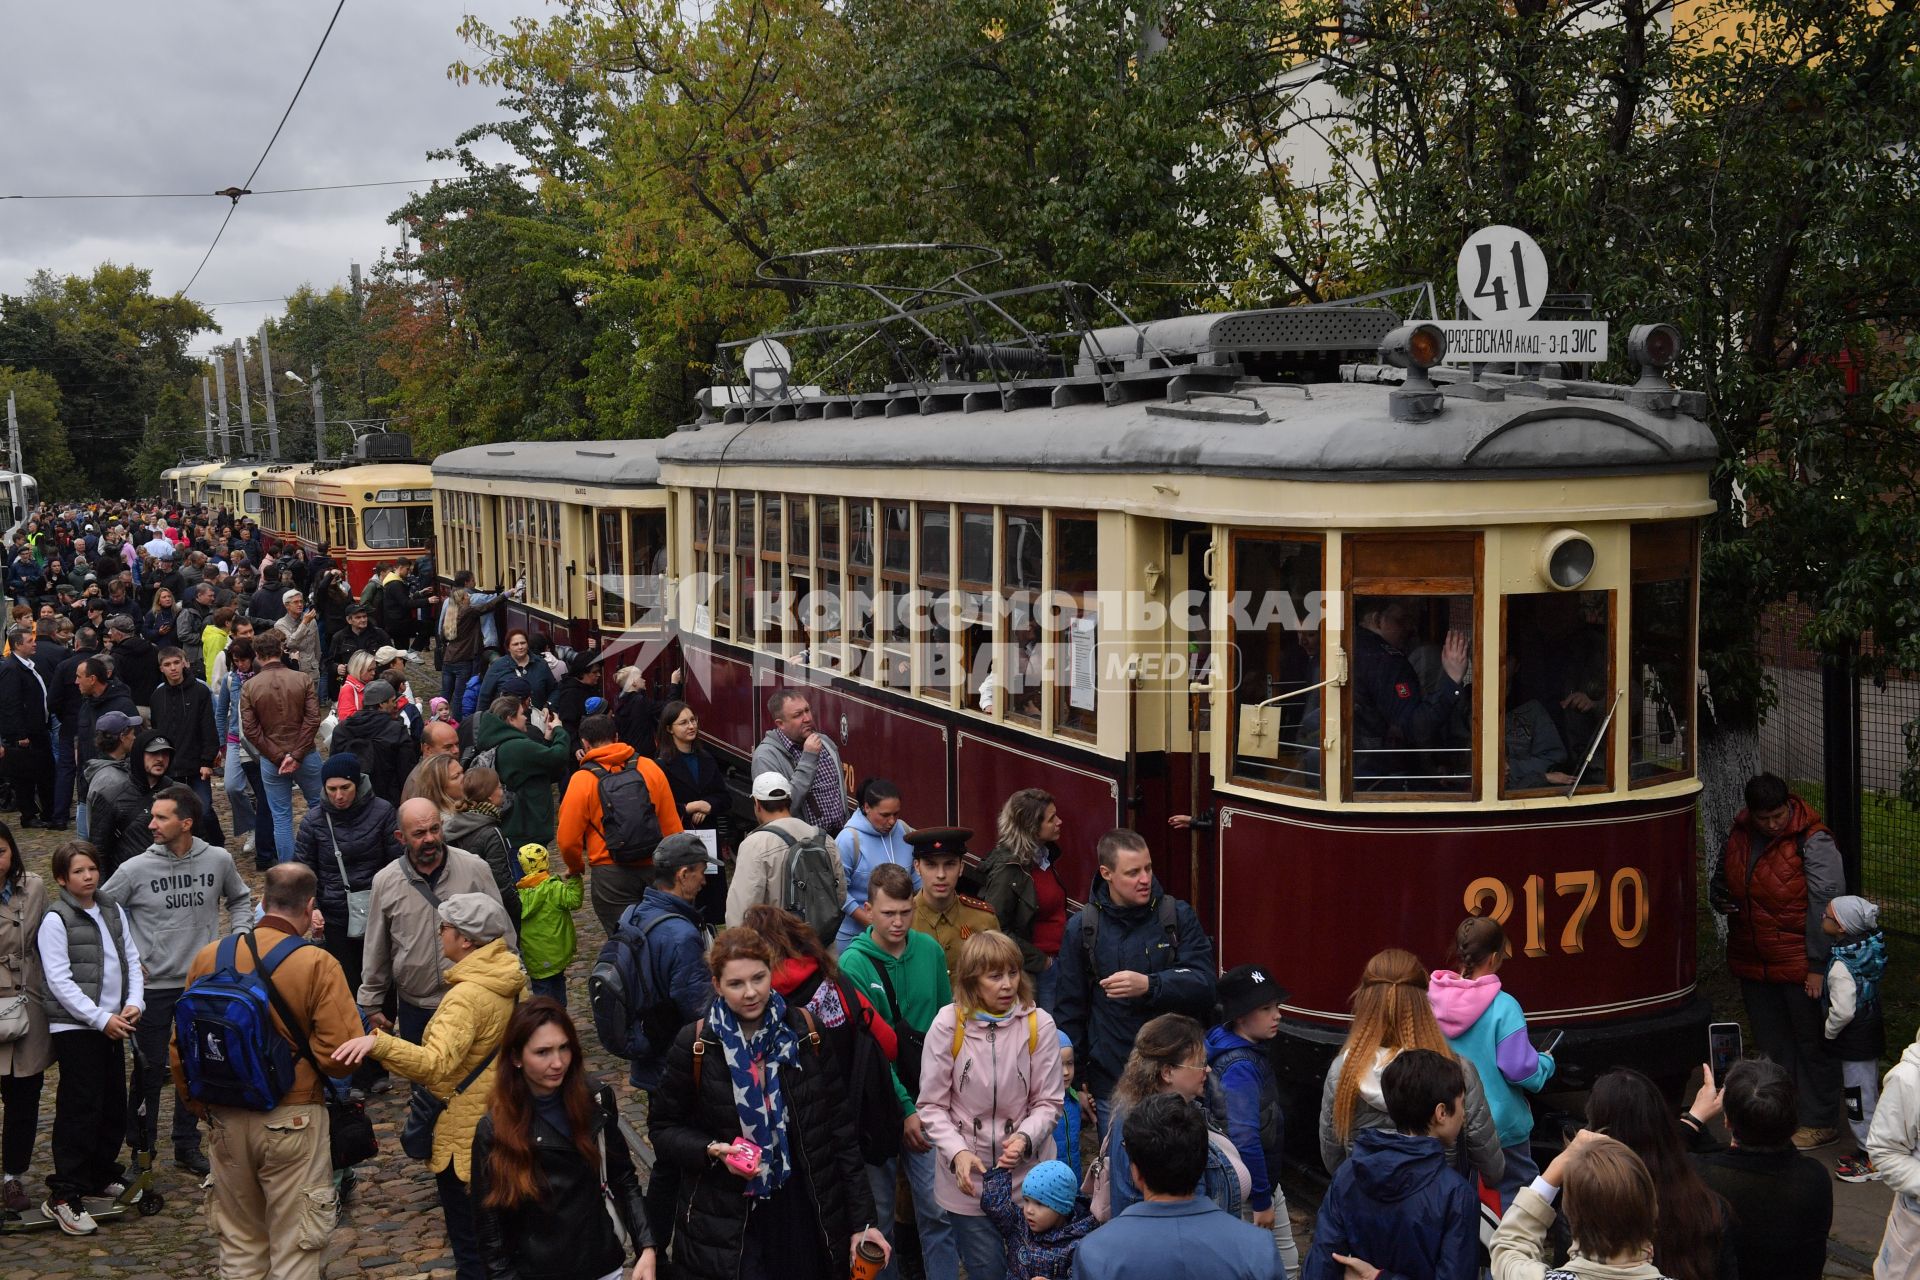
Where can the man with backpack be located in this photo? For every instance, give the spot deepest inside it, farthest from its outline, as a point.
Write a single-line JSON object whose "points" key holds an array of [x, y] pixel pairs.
{"points": [[273, 1202], [618, 808], [1132, 953], [174, 895], [904, 976], [787, 862], [649, 980]]}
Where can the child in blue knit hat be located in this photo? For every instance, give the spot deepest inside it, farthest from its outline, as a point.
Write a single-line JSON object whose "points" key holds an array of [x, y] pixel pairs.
{"points": [[1075, 1110], [1048, 1224]]}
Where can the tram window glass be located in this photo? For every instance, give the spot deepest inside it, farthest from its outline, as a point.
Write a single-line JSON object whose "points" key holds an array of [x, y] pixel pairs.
{"points": [[1022, 557], [1660, 659], [646, 562], [251, 501], [800, 525], [930, 604], [1410, 608], [973, 601], [822, 612], [857, 608], [772, 574], [746, 571], [419, 526], [799, 576], [613, 570], [1555, 690], [770, 524], [1279, 720], [386, 528], [1075, 618], [891, 609]]}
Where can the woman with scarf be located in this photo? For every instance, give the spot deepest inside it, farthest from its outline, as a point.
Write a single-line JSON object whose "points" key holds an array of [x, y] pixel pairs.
{"points": [[752, 1114]]}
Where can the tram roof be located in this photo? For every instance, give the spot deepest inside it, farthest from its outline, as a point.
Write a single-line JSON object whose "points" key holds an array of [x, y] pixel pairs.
{"points": [[611, 463], [378, 475], [1344, 432]]}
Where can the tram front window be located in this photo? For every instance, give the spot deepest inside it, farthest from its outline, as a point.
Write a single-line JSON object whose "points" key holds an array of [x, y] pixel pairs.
{"points": [[1413, 694], [1277, 653], [1556, 695], [1660, 662]]}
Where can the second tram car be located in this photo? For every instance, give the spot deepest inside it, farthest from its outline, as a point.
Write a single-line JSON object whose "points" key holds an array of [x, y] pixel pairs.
{"points": [[1404, 643], [277, 498], [584, 525], [236, 487]]}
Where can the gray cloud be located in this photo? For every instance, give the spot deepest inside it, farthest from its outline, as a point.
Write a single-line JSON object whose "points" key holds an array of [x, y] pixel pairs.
{"points": [[136, 96]]}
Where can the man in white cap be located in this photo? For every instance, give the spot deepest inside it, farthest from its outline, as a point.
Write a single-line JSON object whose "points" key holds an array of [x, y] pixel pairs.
{"points": [[760, 868]]}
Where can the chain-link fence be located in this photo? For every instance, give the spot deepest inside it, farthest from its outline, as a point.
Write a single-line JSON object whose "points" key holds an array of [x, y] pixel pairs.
{"points": [[1790, 745]]}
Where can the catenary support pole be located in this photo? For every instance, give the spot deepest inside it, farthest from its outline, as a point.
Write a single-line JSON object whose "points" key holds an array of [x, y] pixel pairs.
{"points": [[246, 405], [319, 420], [220, 387], [266, 382]]}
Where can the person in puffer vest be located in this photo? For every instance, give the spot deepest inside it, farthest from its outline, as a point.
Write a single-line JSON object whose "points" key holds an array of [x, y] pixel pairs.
{"points": [[1778, 870], [1856, 1024], [1484, 1025]]}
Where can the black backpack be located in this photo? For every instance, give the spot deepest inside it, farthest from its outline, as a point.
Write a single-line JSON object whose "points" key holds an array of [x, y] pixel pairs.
{"points": [[634, 1018], [629, 826], [1168, 917]]}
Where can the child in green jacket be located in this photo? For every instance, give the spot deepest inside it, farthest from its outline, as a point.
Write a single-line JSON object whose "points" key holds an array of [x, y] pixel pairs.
{"points": [[547, 905]]}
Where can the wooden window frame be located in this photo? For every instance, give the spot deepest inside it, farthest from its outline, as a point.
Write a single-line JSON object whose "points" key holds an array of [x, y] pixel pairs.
{"points": [[1231, 750], [1353, 589]]}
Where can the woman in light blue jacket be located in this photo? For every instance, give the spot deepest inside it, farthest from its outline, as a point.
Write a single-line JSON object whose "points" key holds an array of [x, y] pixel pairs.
{"points": [[872, 836]]}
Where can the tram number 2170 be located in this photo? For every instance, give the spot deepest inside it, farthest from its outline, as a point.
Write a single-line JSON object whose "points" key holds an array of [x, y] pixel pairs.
{"points": [[1626, 906]]}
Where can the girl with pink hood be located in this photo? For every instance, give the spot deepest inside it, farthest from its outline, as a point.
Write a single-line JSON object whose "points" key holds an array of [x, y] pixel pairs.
{"points": [[1485, 1026]]}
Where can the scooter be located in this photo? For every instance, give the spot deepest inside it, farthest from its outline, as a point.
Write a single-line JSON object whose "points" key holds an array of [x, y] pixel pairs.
{"points": [[139, 1179]]}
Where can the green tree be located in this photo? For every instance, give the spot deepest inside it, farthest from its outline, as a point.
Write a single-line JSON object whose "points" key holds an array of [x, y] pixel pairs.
{"points": [[43, 436], [173, 430], [110, 344]]}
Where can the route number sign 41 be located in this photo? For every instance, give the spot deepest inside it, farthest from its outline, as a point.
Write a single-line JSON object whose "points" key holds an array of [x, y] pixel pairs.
{"points": [[1503, 282]]}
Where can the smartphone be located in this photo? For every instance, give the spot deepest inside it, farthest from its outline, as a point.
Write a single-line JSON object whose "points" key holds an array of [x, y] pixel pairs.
{"points": [[1724, 1048], [1554, 1043]]}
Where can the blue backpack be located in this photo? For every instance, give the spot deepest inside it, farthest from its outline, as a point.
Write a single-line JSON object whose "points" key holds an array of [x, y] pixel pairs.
{"points": [[633, 1017], [231, 1052], [470, 697]]}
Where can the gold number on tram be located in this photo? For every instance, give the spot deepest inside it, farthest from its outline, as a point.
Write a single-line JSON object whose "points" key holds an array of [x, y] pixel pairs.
{"points": [[1491, 896]]}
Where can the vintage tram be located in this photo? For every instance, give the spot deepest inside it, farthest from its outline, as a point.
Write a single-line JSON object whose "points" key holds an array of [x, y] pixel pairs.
{"points": [[277, 497], [1405, 642], [365, 511], [236, 487], [583, 525]]}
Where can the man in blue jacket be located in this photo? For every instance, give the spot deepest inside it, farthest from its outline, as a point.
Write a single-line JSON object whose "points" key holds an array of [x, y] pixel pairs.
{"points": [[1171, 1231], [1134, 953], [675, 953], [1395, 1207]]}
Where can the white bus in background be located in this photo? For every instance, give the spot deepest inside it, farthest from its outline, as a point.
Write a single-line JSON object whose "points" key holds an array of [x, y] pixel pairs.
{"points": [[19, 495]]}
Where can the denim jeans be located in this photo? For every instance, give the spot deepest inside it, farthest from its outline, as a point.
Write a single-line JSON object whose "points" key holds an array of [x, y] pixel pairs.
{"points": [[463, 1239], [64, 773], [208, 828], [279, 788], [249, 800], [937, 1247], [1046, 988], [453, 684], [554, 988], [1520, 1172], [981, 1248]]}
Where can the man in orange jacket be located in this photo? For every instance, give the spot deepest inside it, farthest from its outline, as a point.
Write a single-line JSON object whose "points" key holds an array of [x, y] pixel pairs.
{"points": [[618, 847]]}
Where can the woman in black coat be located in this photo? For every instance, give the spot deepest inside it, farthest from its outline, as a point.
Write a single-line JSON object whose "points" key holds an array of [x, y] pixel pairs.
{"points": [[762, 1076], [538, 1154], [699, 792]]}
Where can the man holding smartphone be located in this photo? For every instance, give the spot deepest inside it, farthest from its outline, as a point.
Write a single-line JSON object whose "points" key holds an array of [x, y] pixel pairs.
{"points": [[1778, 870]]}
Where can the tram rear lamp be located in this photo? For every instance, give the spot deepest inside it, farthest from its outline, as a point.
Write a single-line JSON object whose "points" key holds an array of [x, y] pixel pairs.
{"points": [[1566, 559], [1653, 346], [1415, 346]]}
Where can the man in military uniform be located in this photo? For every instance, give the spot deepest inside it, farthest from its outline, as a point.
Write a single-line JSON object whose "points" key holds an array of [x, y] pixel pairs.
{"points": [[940, 910], [1394, 718]]}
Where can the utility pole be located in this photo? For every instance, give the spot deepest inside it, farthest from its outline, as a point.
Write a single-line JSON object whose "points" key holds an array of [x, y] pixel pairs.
{"points": [[319, 421], [359, 334], [206, 412], [266, 381], [220, 384], [246, 406], [13, 438]]}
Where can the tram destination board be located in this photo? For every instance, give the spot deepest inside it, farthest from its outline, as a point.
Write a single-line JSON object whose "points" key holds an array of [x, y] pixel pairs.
{"points": [[1482, 341]]}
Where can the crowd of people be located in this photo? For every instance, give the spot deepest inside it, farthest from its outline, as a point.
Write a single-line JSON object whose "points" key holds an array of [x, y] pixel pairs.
{"points": [[847, 1033]]}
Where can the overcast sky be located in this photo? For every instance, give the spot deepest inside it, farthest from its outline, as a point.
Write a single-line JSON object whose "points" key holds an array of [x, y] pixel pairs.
{"points": [[138, 96]]}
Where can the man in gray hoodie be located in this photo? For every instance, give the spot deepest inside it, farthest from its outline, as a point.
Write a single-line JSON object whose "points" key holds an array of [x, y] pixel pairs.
{"points": [[174, 894]]}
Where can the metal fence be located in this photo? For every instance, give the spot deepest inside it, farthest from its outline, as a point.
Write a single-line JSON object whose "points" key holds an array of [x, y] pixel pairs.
{"points": [[1790, 745]]}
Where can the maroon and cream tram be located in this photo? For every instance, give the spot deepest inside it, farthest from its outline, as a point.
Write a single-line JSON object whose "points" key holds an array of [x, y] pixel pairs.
{"points": [[1227, 566]]}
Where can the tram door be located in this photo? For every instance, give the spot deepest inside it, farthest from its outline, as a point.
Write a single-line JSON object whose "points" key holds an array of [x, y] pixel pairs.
{"points": [[1185, 781]]}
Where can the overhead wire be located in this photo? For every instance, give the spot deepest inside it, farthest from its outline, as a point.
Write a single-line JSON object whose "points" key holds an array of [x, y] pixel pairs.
{"points": [[235, 200], [203, 195]]}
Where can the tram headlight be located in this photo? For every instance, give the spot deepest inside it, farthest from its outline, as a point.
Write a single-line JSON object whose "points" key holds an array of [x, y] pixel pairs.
{"points": [[1566, 559], [1653, 346], [1414, 346]]}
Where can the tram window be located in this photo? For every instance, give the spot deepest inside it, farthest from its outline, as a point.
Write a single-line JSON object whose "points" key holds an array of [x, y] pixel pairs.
{"points": [[646, 562], [386, 528], [800, 525], [251, 501], [774, 606], [770, 524], [419, 526], [702, 518], [931, 606], [745, 569], [1660, 652], [1411, 612], [1022, 555], [1279, 719], [613, 570], [892, 608], [973, 602], [1556, 690], [822, 612], [857, 606], [1075, 618]]}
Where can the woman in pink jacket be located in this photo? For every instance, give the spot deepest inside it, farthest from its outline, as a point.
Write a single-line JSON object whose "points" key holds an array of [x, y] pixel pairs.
{"points": [[990, 1090]]}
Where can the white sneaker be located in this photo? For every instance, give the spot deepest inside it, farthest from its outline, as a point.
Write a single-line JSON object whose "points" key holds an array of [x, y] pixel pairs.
{"points": [[113, 1190], [70, 1216], [250, 848]]}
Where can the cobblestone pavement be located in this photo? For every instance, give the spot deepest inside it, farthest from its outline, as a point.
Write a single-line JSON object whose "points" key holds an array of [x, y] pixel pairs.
{"points": [[391, 1228]]}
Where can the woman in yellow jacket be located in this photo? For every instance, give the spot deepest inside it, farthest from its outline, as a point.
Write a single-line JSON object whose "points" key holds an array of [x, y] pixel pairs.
{"points": [[455, 1057]]}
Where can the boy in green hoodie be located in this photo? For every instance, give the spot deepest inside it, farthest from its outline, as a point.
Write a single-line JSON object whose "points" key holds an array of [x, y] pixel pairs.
{"points": [[903, 974], [547, 904]]}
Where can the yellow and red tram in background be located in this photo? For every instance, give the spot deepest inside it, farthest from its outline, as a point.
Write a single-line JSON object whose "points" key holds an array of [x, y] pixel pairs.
{"points": [[363, 512], [1197, 566]]}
